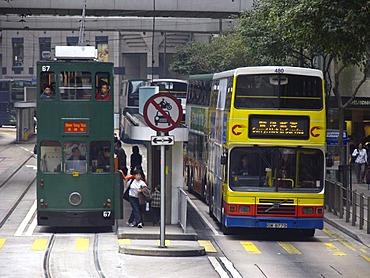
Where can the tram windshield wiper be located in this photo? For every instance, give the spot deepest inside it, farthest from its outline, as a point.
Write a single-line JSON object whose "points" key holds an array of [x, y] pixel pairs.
{"points": [[276, 205]]}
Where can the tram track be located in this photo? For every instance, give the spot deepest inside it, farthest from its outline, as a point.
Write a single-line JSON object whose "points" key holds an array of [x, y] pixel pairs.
{"points": [[16, 199], [52, 264]]}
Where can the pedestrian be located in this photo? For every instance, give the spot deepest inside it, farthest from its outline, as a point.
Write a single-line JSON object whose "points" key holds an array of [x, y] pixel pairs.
{"points": [[360, 157], [121, 155], [136, 185], [156, 205], [135, 159]]}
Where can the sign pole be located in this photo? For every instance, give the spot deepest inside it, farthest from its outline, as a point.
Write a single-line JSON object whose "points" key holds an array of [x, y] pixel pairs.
{"points": [[163, 211], [163, 113]]}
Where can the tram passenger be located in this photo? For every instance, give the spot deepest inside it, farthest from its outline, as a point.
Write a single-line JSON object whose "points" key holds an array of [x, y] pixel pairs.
{"points": [[76, 154], [47, 93], [76, 161], [104, 161], [103, 93]]}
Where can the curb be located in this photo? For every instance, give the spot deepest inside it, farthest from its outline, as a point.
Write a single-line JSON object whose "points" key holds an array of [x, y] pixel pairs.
{"points": [[168, 251]]}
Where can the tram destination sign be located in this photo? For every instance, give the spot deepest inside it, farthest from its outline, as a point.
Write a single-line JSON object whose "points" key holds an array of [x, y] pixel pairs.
{"points": [[279, 127], [75, 127]]}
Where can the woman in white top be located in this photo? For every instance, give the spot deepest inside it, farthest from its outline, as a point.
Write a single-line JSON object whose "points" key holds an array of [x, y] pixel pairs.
{"points": [[360, 162], [135, 188]]}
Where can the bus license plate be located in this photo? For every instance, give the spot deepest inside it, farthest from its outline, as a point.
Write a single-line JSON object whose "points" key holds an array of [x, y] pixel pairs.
{"points": [[277, 225]]}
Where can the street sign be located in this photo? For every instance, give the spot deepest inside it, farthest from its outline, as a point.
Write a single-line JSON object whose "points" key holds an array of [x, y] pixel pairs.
{"points": [[162, 112], [163, 140]]}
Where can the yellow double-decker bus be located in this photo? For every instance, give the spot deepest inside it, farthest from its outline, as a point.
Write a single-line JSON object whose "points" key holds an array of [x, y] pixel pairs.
{"points": [[266, 148]]}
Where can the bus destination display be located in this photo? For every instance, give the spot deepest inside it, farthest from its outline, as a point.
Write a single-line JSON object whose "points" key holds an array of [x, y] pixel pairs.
{"points": [[282, 127]]}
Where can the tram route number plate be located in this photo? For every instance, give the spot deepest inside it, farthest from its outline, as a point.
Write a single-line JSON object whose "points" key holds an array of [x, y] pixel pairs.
{"points": [[277, 225], [107, 214]]}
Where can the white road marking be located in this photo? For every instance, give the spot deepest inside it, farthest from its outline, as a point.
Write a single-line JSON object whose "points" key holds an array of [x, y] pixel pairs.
{"points": [[230, 267], [216, 265], [27, 219]]}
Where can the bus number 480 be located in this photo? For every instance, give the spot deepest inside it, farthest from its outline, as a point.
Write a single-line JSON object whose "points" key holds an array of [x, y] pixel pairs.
{"points": [[107, 213]]}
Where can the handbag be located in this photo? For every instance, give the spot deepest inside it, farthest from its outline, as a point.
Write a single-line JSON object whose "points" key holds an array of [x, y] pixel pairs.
{"points": [[126, 193]]}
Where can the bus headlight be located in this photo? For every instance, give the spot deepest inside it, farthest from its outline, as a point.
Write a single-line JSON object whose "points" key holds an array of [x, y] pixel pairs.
{"points": [[244, 209], [75, 198], [307, 210]]}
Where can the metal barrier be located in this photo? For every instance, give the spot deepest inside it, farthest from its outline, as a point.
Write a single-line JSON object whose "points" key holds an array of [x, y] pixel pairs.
{"points": [[183, 207], [343, 202]]}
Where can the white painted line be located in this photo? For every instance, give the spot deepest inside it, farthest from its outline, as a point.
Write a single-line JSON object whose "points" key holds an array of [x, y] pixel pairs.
{"points": [[216, 265], [31, 227], [203, 217], [27, 219], [230, 267]]}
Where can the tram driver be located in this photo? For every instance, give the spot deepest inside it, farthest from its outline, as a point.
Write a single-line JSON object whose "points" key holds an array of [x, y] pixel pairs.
{"points": [[76, 161]]}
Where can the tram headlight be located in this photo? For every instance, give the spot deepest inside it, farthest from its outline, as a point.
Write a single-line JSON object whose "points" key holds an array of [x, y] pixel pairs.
{"points": [[75, 198]]}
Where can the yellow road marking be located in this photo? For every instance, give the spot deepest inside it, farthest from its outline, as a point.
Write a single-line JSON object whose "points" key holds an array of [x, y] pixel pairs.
{"points": [[365, 257], [250, 247], [125, 241], [2, 242], [82, 244], [337, 237], [208, 246], [336, 250], [166, 242], [288, 247], [39, 244]]}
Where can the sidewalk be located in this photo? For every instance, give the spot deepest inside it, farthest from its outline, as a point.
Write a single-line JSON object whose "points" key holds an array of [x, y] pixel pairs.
{"points": [[346, 227]]}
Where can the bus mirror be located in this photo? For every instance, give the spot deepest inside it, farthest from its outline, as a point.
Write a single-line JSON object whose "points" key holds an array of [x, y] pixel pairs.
{"points": [[224, 159]]}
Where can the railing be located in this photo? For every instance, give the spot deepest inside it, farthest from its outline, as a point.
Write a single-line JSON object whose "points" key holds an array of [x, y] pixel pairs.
{"points": [[348, 204], [183, 206]]}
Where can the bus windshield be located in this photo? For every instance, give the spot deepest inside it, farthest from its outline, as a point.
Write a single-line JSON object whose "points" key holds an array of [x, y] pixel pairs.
{"points": [[276, 169], [278, 91]]}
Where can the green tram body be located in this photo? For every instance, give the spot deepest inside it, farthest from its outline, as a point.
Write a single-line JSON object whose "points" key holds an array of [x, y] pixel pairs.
{"points": [[90, 195]]}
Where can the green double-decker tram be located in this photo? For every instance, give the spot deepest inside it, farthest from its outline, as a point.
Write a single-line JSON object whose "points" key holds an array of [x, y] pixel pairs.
{"points": [[77, 182]]}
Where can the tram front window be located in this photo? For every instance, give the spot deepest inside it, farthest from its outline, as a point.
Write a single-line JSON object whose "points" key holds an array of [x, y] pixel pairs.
{"points": [[276, 169], [75, 157], [50, 156], [75, 85]]}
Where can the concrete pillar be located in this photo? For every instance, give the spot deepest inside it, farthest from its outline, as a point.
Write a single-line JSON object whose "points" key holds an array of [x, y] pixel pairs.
{"points": [[176, 177]]}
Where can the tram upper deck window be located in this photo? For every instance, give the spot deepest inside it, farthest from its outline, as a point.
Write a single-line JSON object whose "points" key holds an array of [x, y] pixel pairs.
{"points": [[50, 156], [100, 156], [102, 85], [75, 85], [47, 85], [75, 157]]}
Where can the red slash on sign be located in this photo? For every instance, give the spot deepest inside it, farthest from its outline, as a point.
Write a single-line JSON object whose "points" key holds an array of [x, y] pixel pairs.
{"points": [[162, 112]]}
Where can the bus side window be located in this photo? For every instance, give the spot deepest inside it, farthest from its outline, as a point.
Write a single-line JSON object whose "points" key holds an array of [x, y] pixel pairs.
{"points": [[51, 156]]}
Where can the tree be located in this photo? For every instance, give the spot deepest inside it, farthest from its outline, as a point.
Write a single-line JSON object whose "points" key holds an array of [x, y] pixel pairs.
{"points": [[298, 32], [224, 52]]}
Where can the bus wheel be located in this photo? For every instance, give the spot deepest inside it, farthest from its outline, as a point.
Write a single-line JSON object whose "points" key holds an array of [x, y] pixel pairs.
{"points": [[308, 232]]}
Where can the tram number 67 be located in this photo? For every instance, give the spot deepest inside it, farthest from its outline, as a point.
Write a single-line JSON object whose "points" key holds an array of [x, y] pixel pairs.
{"points": [[45, 68], [107, 213]]}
